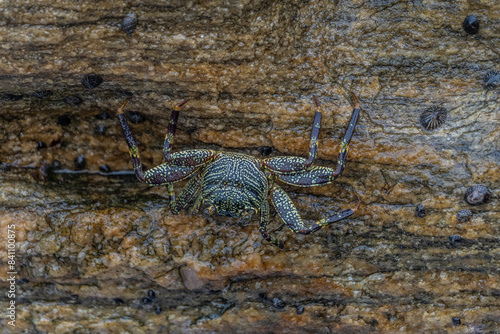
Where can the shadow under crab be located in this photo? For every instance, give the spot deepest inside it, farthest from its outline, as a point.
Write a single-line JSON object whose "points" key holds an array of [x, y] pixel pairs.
{"points": [[238, 185]]}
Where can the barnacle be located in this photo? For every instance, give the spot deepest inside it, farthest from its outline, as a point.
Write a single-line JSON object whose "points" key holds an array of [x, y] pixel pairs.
{"points": [[477, 194], [91, 80], [73, 100], [464, 215], [433, 118], [129, 23], [491, 80], [420, 211], [135, 117], [471, 24], [104, 169], [80, 161], [12, 97], [42, 94]]}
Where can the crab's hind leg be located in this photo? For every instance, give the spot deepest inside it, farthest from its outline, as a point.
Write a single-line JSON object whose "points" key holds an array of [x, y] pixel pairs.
{"points": [[134, 151], [313, 147], [344, 144], [264, 221], [296, 170], [292, 164], [289, 214], [172, 126]]}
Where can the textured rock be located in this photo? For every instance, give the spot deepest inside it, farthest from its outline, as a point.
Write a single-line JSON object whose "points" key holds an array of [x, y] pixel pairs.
{"points": [[91, 244]]}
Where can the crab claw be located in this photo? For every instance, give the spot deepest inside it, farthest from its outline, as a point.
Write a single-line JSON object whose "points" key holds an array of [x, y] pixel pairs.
{"points": [[122, 106], [357, 204], [355, 100], [178, 107]]}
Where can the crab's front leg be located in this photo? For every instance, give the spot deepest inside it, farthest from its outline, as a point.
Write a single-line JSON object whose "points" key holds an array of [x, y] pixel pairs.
{"points": [[289, 214], [132, 147], [181, 165], [172, 126]]}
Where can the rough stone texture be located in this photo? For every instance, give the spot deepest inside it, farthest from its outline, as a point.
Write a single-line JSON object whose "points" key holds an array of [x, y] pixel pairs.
{"points": [[90, 246]]}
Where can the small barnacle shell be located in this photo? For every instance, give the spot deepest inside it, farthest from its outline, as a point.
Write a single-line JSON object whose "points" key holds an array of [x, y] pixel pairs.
{"points": [[91, 80], [73, 100], [278, 303], [464, 215], [420, 211], [266, 150], [146, 300], [471, 24], [64, 120], [104, 169], [129, 23], [477, 194], [135, 117], [100, 130], [40, 144], [433, 118], [80, 161], [491, 80], [42, 94], [12, 97]]}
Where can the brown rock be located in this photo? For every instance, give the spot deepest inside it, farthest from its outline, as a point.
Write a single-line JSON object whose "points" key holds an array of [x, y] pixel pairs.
{"points": [[250, 69]]}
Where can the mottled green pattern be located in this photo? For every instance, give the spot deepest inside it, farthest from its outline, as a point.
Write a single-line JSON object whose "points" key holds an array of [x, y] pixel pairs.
{"points": [[234, 183], [186, 195], [289, 214], [165, 174], [313, 176], [284, 165], [190, 157]]}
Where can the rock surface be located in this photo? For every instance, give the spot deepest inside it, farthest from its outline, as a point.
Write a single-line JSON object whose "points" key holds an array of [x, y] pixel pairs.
{"points": [[89, 244]]}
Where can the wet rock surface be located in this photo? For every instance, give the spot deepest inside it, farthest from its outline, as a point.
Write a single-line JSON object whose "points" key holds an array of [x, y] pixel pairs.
{"points": [[91, 244]]}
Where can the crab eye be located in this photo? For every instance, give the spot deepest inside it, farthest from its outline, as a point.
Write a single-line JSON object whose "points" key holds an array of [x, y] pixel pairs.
{"points": [[247, 215], [209, 210]]}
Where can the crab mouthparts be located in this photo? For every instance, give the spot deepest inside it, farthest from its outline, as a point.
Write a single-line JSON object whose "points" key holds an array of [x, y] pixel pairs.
{"points": [[228, 214]]}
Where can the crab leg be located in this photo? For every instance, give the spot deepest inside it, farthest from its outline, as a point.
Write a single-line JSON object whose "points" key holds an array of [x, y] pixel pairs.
{"points": [[172, 125], [313, 176], [264, 221], [134, 151], [313, 147], [186, 195], [289, 214], [344, 144], [298, 171], [181, 164]]}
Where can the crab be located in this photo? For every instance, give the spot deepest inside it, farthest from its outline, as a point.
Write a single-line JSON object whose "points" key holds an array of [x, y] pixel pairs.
{"points": [[239, 185]]}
